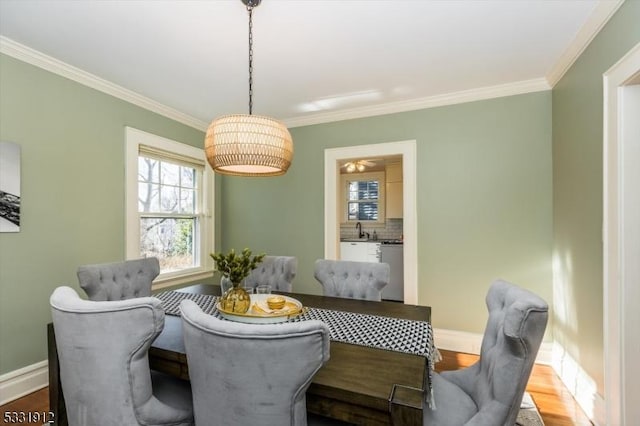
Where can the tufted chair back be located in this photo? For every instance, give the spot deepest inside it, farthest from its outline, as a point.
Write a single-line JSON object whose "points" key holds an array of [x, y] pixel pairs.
{"points": [[104, 367], [352, 280], [119, 280], [489, 393], [276, 271], [251, 374]]}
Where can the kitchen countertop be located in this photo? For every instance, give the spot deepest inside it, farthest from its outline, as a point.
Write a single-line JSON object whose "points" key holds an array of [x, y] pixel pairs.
{"points": [[364, 240]]}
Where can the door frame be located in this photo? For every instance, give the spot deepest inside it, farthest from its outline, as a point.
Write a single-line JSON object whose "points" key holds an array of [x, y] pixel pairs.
{"points": [[620, 212], [407, 149]]}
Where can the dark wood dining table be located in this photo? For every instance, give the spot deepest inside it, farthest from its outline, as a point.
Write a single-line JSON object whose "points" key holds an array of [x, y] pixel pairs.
{"points": [[353, 386]]}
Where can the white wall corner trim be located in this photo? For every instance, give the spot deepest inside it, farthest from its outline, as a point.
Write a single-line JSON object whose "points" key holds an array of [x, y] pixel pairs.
{"points": [[601, 14], [580, 384], [471, 95], [48, 63], [18, 383], [621, 238], [470, 343]]}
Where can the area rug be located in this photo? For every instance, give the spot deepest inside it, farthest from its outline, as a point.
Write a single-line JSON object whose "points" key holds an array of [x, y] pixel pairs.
{"points": [[528, 415]]}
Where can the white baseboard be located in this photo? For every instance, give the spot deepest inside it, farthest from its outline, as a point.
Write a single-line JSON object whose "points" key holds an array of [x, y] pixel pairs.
{"points": [[470, 343], [458, 341], [18, 383], [580, 385]]}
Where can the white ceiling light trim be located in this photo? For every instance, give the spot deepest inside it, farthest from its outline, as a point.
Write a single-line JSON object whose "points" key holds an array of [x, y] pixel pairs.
{"points": [[482, 93], [46, 62], [603, 11]]}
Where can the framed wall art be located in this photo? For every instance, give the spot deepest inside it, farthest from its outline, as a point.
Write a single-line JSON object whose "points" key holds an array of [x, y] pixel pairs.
{"points": [[9, 187]]}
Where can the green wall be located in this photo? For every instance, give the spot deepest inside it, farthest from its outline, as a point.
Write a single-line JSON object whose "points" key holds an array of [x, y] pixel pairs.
{"points": [[486, 203], [72, 140], [484, 200], [577, 192]]}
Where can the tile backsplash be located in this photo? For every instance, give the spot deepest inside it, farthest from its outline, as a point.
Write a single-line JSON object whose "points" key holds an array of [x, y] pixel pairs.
{"points": [[392, 230]]}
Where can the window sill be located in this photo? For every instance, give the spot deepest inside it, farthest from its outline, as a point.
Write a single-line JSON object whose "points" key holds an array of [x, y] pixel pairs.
{"points": [[161, 283]]}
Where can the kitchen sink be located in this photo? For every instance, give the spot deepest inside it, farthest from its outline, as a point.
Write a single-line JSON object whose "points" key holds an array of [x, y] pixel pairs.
{"points": [[355, 240]]}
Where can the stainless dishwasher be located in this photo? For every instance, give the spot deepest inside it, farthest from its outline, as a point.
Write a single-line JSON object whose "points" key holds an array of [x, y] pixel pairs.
{"points": [[391, 252]]}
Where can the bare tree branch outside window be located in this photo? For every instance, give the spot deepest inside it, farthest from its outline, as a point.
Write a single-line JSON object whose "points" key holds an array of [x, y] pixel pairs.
{"points": [[167, 206]]}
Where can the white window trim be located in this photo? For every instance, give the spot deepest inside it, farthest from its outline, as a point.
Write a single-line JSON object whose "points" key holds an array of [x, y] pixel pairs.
{"points": [[345, 178], [133, 139]]}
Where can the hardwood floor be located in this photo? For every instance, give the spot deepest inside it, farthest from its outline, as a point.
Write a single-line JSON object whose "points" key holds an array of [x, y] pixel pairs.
{"points": [[556, 405], [37, 402]]}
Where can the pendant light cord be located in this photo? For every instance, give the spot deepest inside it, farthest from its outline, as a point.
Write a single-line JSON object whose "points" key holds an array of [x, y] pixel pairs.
{"points": [[250, 10]]}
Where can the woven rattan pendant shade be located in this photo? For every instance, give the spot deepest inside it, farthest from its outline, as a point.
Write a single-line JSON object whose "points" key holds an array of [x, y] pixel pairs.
{"points": [[248, 145]]}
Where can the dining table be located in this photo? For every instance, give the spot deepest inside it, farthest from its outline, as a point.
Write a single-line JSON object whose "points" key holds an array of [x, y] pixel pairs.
{"points": [[361, 384]]}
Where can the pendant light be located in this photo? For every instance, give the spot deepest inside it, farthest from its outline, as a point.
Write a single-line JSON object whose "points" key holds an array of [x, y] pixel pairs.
{"points": [[247, 144]]}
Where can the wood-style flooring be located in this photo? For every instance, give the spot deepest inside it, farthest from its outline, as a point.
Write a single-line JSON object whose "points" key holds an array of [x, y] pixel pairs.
{"points": [[35, 402], [555, 403]]}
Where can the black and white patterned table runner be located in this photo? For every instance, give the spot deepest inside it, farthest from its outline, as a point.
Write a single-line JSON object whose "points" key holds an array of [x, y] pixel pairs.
{"points": [[394, 334], [171, 302]]}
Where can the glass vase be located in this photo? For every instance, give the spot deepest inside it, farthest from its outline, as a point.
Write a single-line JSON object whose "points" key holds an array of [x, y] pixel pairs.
{"points": [[235, 298], [225, 285]]}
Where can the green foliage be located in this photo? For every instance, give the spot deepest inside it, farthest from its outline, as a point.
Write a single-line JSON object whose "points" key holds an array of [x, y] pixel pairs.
{"points": [[184, 240], [236, 267]]}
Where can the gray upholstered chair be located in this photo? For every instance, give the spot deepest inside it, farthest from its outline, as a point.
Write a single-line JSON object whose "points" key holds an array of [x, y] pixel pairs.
{"points": [[104, 367], [489, 392], [352, 280], [276, 271], [119, 280], [251, 374]]}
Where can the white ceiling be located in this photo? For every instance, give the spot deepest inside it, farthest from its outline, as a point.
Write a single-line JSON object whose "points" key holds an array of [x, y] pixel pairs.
{"points": [[314, 60]]}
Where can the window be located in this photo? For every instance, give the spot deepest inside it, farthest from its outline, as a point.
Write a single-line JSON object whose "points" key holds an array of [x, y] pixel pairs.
{"points": [[169, 203], [363, 195], [363, 200]]}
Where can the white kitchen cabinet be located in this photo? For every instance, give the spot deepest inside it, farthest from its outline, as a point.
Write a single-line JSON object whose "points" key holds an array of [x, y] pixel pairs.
{"points": [[373, 252], [394, 191], [360, 251]]}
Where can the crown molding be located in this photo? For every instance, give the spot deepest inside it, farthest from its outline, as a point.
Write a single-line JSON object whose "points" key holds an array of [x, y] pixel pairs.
{"points": [[604, 10], [601, 14], [482, 93], [39, 59]]}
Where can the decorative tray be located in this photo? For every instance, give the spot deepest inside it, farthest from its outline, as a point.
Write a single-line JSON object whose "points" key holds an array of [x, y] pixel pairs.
{"points": [[259, 312]]}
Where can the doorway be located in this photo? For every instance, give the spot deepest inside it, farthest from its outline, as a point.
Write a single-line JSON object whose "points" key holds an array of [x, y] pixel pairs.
{"points": [[407, 150], [622, 239]]}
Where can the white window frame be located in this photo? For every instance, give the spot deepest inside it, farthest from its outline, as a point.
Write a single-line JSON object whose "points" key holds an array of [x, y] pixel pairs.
{"points": [[346, 178], [134, 139]]}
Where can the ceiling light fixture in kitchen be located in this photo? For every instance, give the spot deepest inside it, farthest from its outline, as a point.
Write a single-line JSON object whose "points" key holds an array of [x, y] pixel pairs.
{"points": [[359, 165]]}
